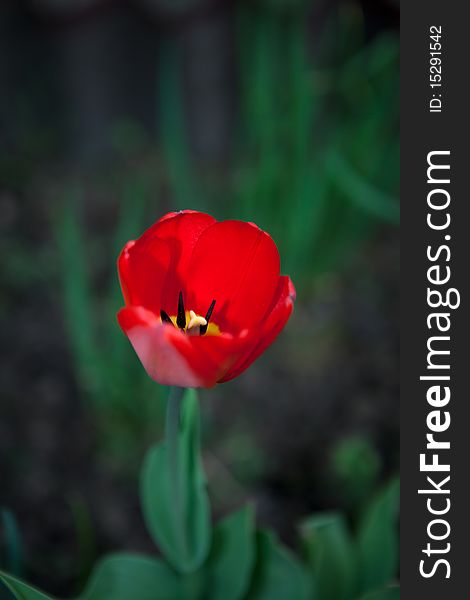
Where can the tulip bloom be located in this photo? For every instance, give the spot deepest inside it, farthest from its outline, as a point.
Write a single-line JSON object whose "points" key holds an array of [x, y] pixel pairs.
{"points": [[203, 299]]}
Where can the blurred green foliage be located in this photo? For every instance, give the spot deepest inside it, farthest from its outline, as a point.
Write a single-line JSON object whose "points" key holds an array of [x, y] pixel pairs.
{"points": [[236, 561], [314, 163], [347, 565], [317, 161], [316, 149], [355, 469], [125, 404], [11, 550]]}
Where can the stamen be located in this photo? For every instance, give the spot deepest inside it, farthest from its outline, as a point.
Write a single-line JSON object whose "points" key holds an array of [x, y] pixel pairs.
{"points": [[193, 324], [165, 318], [181, 318], [203, 328]]}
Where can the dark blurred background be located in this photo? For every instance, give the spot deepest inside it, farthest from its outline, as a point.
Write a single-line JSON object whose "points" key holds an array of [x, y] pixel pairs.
{"points": [[282, 112]]}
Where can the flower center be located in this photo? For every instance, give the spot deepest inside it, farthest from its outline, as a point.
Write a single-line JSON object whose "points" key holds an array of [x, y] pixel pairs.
{"points": [[189, 322]]}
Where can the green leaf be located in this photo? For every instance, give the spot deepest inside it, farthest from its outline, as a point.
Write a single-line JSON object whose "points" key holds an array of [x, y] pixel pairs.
{"points": [[5, 593], [13, 560], [331, 556], [21, 590], [355, 465], [378, 539], [78, 298], [123, 577], [232, 557], [277, 574], [134, 577], [177, 514], [390, 593]]}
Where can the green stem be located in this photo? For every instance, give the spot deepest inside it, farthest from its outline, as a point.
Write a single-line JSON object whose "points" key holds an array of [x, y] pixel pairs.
{"points": [[172, 430]]}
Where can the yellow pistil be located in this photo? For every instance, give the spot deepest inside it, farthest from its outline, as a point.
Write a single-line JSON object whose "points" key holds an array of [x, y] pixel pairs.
{"points": [[195, 321]]}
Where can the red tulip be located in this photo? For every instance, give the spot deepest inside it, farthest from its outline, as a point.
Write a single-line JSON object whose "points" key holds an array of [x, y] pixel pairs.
{"points": [[203, 298]]}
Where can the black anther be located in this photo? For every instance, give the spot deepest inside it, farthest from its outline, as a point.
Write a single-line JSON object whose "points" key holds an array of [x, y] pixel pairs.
{"points": [[181, 318], [165, 318], [203, 328]]}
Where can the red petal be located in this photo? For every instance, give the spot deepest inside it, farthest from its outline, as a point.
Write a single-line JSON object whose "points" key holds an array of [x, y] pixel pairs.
{"points": [[184, 223], [173, 358], [273, 324], [143, 273], [237, 264], [211, 356], [153, 269]]}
